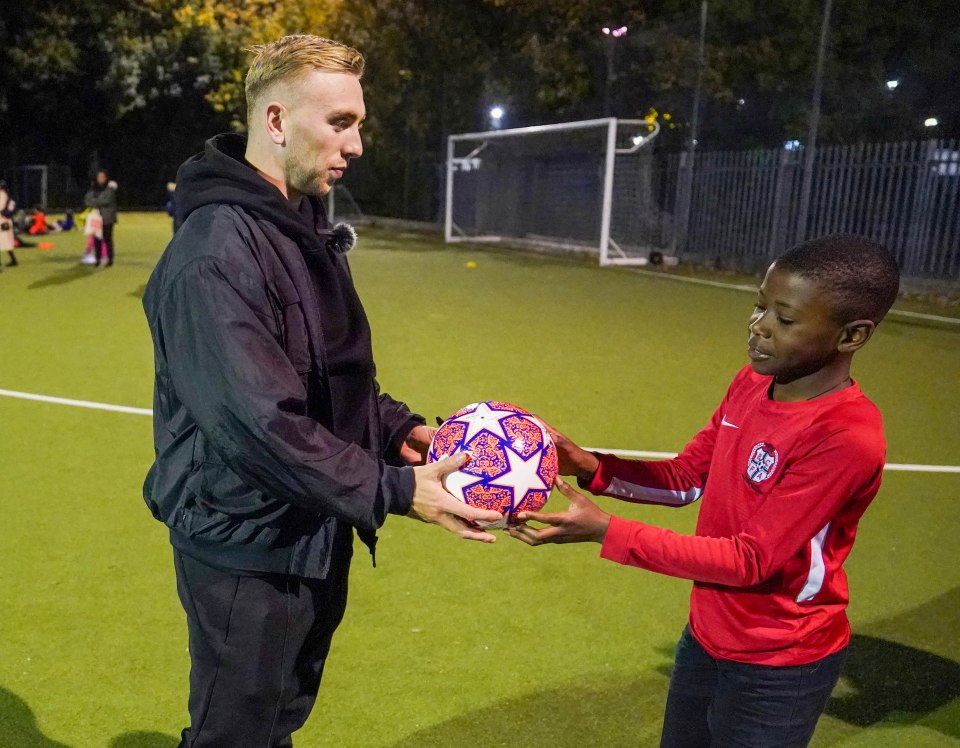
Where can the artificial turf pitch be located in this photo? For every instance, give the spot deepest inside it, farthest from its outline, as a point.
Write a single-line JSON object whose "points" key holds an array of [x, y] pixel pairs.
{"points": [[446, 643]]}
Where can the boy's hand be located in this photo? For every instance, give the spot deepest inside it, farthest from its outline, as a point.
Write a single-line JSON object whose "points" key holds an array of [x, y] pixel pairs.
{"points": [[432, 503], [574, 460], [583, 522]]}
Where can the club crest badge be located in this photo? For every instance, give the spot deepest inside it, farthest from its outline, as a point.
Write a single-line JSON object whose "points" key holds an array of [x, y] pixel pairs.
{"points": [[763, 462]]}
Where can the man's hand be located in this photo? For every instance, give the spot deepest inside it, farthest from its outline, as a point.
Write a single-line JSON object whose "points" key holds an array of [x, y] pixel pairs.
{"points": [[583, 522], [574, 460], [416, 445], [432, 503]]}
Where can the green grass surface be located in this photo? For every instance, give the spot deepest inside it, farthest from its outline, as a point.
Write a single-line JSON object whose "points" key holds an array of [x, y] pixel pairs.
{"points": [[447, 643]]}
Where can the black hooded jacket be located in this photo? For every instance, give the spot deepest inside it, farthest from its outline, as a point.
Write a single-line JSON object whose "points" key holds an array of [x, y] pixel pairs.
{"points": [[271, 436]]}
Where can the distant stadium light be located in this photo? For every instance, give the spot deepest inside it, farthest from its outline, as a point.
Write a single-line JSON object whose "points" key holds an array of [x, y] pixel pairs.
{"points": [[496, 116], [931, 122], [792, 145], [893, 83]]}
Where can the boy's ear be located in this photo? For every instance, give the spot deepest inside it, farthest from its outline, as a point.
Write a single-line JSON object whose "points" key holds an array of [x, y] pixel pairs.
{"points": [[855, 334]]}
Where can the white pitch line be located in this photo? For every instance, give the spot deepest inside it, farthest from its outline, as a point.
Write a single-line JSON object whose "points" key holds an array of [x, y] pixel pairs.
{"points": [[619, 452], [753, 289], [77, 403], [889, 466]]}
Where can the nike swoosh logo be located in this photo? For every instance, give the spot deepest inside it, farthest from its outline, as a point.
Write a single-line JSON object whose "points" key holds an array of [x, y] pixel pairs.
{"points": [[725, 422]]}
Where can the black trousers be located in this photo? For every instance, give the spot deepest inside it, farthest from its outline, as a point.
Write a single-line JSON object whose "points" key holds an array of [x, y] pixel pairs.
{"points": [[106, 242], [721, 704], [258, 645]]}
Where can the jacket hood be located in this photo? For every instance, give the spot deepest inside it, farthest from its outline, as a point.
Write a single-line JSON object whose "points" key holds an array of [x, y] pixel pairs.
{"points": [[220, 175]]}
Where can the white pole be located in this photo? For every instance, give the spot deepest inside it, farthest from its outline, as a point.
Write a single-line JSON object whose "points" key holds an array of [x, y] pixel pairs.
{"points": [[608, 191], [448, 207]]}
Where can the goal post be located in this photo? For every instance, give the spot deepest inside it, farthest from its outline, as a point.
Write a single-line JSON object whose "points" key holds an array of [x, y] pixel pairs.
{"points": [[587, 186]]}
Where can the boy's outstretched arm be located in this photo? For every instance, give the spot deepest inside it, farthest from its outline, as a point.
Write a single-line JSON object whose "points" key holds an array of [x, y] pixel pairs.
{"points": [[583, 522], [573, 459]]}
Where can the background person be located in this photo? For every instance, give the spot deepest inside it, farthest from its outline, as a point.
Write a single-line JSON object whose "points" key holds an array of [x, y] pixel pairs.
{"points": [[170, 204], [8, 207], [273, 441], [102, 195]]}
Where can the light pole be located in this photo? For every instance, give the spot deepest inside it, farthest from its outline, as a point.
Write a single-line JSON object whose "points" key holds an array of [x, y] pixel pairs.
{"points": [[612, 33], [685, 181], [811, 146]]}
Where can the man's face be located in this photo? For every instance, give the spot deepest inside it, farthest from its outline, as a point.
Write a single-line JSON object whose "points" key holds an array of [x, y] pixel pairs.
{"points": [[101, 178], [322, 130], [791, 331]]}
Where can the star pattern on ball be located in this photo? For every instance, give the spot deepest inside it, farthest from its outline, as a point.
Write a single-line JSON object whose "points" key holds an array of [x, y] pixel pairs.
{"points": [[484, 418], [523, 476], [457, 481]]}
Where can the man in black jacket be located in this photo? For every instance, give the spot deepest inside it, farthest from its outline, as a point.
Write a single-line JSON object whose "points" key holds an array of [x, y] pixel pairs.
{"points": [[273, 442]]}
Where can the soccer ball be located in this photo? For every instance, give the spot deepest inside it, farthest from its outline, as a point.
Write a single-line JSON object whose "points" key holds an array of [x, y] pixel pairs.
{"points": [[513, 459]]}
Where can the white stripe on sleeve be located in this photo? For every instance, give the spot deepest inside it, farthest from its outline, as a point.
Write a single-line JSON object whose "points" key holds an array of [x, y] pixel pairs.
{"points": [[632, 491], [817, 568]]}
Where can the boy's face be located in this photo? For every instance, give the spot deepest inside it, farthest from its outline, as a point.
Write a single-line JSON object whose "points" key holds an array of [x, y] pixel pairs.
{"points": [[791, 332]]}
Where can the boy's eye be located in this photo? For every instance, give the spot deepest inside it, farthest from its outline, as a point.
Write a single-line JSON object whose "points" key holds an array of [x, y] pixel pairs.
{"points": [[784, 320]]}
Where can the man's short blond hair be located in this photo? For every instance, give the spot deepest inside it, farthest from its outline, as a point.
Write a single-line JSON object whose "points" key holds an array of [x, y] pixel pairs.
{"points": [[293, 56]]}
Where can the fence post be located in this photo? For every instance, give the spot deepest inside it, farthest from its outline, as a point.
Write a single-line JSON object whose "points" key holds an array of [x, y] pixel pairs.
{"points": [[919, 210], [681, 221], [781, 203]]}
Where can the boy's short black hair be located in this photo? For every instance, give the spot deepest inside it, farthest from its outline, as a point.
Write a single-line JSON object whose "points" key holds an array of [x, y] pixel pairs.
{"points": [[859, 274]]}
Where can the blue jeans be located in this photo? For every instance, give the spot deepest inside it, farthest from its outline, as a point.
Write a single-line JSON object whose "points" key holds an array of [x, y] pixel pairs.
{"points": [[719, 703]]}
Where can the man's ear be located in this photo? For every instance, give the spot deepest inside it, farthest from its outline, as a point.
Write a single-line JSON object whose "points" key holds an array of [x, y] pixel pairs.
{"points": [[275, 120], [855, 334]]}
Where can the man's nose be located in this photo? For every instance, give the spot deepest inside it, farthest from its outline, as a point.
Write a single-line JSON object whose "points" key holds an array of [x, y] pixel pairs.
{"points": [[353, 147]]}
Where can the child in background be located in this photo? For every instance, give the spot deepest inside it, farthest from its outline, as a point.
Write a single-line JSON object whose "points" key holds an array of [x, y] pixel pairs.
{"points": [[785, 468], [67, 223], [8, 240], [93, 230], [38, 223]]}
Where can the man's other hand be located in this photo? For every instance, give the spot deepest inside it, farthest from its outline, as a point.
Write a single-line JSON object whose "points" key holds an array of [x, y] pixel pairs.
{"points": [[416, 445]]}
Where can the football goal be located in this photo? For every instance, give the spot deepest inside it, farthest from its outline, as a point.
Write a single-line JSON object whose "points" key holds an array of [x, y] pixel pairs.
{"points": [[585, 186]]}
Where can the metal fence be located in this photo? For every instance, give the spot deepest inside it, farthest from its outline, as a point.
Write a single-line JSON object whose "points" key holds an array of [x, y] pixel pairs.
{"points": [[738, 209]]}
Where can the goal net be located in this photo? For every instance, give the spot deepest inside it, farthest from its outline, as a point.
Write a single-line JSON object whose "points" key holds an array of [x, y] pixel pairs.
{"points": [[586, 186]]}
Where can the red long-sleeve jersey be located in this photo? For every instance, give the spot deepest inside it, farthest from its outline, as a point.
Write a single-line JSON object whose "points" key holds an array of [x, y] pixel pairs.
{"points": [[783, 485]]}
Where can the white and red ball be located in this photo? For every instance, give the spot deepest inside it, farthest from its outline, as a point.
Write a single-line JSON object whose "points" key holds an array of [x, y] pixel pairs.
{"points": [[513, 459]]}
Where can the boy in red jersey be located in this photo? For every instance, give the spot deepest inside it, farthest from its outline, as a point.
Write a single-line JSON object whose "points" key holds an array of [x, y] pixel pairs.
{"points": [[786, 467]]}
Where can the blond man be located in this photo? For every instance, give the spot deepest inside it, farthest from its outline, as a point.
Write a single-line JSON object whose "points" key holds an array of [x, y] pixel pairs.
{"points": [[273, 442]]}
